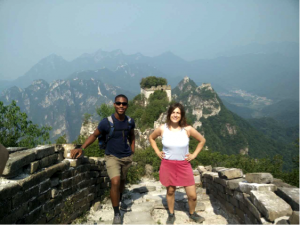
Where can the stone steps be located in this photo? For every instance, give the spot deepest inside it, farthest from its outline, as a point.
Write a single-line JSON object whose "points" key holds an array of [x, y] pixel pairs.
{"points": [[149, 207]]}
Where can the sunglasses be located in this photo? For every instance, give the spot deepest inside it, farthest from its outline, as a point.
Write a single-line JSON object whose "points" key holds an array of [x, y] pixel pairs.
{"points": [[123, 103]]}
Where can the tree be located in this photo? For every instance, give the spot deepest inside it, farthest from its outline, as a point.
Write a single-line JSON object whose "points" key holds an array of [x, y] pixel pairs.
{"points": [[297, 158], [148, 82], [105, 110], [17, 131], [61, 140]]}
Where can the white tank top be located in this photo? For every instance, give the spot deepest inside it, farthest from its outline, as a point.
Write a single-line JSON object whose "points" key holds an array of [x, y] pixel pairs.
{"points": [[175, 144]]}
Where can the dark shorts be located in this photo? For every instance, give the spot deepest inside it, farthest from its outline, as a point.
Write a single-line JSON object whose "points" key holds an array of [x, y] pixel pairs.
{"points": [[176, 173], [117, 166]]}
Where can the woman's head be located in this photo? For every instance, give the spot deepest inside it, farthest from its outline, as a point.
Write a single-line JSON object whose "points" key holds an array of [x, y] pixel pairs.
{"points": [[176, 114]]}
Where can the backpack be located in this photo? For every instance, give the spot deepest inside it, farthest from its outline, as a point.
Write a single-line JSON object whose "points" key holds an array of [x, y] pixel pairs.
{"points": [[104, 138]]}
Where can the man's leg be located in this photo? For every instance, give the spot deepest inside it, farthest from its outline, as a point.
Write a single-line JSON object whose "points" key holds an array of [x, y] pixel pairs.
{"points": [[115, 191]]}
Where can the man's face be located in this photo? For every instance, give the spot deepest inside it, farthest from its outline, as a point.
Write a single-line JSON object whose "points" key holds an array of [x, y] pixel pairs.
{"points": [[121, 105]]}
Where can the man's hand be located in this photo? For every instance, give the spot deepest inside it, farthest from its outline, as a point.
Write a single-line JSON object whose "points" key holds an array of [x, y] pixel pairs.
{"points": [[76, 153]]}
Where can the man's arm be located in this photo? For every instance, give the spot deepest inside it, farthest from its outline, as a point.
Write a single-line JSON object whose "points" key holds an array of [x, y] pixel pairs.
{"points": [[3, 158], [76, 153], [132, 140]]}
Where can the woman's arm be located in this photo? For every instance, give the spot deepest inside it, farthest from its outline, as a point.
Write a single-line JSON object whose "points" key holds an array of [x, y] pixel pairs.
{"points": [[194, 133], [157, 132]]}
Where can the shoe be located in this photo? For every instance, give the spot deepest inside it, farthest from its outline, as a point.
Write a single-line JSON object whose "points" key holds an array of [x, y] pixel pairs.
{"points": [[124, 207], [196, 218], [117, 219], [171, 219]]}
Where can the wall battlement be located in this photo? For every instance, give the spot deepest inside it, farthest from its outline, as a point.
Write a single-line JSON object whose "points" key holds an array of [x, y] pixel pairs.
{"points": [[148, 91], [255, 198], [42, 185]]}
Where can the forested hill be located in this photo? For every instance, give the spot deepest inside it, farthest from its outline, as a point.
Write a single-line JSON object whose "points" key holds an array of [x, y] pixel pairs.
{"points": [[225, 131]]}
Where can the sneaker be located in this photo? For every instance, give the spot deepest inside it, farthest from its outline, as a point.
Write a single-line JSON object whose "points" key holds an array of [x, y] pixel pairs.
{"points": [[196, 218], [124, 207], [171, 219], [117, 219]]}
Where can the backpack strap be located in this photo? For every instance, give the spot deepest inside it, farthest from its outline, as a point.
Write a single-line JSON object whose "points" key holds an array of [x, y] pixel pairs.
{"points": [[111, 128], [129, 122]]}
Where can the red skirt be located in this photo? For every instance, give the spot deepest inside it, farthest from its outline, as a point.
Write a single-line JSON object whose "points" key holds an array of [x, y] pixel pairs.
{"points": [[176, 173]]}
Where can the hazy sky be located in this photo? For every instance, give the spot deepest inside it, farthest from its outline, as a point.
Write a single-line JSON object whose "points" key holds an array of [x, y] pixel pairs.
{"points": [[33, 29]]}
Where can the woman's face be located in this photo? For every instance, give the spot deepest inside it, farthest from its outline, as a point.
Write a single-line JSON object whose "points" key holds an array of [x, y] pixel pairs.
{"points": [[176, 115]]}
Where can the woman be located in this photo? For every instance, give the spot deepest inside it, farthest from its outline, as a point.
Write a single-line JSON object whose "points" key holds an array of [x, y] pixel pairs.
{"points": [[175, 169]]}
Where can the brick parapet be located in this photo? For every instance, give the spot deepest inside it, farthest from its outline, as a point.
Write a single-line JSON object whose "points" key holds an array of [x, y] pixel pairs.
{"points": [[58, 190], [237, 197]]}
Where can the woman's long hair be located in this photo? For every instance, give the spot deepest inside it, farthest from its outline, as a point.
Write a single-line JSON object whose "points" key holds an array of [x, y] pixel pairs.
{"points": [[182, 122]]}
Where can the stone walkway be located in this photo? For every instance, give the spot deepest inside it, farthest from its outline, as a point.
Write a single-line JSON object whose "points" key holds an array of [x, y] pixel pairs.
{"points": [[149, 206]]}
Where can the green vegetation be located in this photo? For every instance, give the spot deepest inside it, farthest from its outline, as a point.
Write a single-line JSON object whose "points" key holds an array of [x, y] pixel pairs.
{"points": [[148, 82], [61, 140], [105, 110], [17, 131], [144, 116]]}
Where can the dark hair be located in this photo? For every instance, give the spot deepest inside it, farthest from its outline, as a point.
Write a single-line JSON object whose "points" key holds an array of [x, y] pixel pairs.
{"points": [[182, 122], [121, 95]]}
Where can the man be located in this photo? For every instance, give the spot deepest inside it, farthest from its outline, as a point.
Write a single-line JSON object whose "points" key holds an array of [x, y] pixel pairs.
{"points": [[118, 154], [3, 158]]}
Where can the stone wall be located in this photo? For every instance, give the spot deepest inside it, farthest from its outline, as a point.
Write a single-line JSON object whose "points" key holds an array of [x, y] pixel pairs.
{"points": [[255, 198], [41, 185], [148, 91]]}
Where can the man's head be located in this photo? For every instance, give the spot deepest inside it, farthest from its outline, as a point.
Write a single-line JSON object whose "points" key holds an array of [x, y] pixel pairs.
{"points": [[121, 104]]}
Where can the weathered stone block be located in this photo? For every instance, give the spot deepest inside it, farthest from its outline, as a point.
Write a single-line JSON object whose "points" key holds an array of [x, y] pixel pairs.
{"points": [[15, 149], [23, 197], [208, 168], [33, 180], [44, 162], [201, 169], [49, 205], [270, 205], [54, 193], [67, 150], [65, 184], [94, 174], [16, 161], [231, 173], [9, 190], [217, 169], [290, 195], [5, 206], [54, 181], [280, 183], [210, 175], [43, 151], [251, 206], [62, 166], [45, 186], [74, 162], [282, 220], [33, 215], [34, 166], [52, 159], [248, 187], [294, 218], [259, 178]]}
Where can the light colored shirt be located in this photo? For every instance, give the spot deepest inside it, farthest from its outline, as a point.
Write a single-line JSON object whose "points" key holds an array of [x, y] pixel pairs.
{"points": [[175, 144]]}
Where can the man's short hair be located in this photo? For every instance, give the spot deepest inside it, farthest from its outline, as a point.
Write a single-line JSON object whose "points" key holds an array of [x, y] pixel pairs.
{"points": [[121, 95]]}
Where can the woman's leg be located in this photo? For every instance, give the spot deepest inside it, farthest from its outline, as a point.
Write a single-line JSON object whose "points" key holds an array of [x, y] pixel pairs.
{"points": [[171, 198], [192, 197]]}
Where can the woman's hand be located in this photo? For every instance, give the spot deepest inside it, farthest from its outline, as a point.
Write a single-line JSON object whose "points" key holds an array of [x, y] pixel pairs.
{"points": [[161, 155], [189, 157]]}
